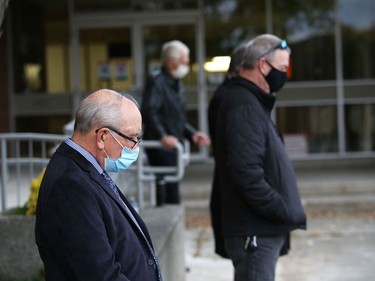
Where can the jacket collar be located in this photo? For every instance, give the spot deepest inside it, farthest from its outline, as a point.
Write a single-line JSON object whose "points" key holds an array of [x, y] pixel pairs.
{"points": [[267, 100]]}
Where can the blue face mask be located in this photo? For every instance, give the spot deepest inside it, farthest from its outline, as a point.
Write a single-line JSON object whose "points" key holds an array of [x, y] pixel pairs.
{"points": [[128, 156]]}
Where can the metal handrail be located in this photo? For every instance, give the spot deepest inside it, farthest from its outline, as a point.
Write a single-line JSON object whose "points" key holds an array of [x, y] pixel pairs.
{"points": [[11, 155], [10, 144], [148, 173]]}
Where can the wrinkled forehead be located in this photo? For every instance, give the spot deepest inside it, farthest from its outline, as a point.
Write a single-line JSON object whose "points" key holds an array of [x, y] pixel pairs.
{"points": [[280, 56], [132, 118]]}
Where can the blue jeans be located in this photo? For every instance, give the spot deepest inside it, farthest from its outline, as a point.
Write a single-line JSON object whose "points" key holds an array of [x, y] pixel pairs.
{"points": [[256, 264]]}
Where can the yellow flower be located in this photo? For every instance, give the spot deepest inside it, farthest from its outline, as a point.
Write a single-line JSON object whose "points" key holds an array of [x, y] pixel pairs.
{"points": [[34, 192]]}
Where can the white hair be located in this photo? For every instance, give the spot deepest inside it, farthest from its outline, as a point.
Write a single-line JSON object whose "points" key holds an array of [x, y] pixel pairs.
{"points": [[174, 50], [262, 45], [94, 112]]}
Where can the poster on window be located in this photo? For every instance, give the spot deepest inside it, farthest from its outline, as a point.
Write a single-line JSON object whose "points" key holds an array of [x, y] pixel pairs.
{"points": [[121, 70], [153, 67], [104, 72]]}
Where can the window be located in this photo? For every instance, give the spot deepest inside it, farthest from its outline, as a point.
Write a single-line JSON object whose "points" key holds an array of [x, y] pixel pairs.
{"points": [[230, 23], [35, 28], [318, 125], [308, 26], [358, 40], [135, 6], [360, 124]]}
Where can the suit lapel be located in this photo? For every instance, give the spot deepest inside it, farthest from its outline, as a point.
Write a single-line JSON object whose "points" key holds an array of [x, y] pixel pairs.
{"points": [[137, 217], [85, 165], [104, 185]]}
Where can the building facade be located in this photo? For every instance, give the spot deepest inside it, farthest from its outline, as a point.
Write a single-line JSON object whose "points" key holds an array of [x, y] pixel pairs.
{"points": [[55, 52]]}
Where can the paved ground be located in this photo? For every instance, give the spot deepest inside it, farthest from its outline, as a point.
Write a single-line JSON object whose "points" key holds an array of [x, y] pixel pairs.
{"points": [[336, 247], [339, 244]]}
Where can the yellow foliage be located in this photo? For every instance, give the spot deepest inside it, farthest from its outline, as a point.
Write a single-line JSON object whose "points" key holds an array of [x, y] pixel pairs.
{"points": [[34, 192]]}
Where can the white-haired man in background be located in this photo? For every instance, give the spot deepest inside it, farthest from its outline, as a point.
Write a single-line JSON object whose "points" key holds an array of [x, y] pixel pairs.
{"points": [[163, 110]]}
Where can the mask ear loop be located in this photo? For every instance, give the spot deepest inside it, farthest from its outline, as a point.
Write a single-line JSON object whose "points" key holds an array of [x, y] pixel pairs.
{"points": [[105, 153], [116, 139]]}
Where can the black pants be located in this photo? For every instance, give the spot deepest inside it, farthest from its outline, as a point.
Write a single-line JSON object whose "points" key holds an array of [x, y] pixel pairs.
{"points": [[257, 263], [166, 192]]}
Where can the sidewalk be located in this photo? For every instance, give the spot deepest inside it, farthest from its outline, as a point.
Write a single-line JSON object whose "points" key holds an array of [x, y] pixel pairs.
{"points": [[336, 247], [339, 244]]}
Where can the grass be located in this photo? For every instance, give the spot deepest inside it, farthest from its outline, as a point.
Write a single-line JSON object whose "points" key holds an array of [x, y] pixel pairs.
{"points": [[16, 212]]}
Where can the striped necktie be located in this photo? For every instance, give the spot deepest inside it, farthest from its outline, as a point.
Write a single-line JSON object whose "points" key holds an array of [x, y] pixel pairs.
{"points": [[114, 188]]}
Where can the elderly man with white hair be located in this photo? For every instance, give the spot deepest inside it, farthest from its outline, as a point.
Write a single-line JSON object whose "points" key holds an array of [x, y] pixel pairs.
{"points": [[163, 110]]}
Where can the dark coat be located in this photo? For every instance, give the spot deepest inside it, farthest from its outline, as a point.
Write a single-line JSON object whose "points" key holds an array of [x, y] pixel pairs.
{"points": [[83, 231], [215, 198], [163, 108], [259, 189]]}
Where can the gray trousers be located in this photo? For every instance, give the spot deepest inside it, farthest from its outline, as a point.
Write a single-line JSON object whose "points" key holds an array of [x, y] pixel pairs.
{"points": [[254, 263]]}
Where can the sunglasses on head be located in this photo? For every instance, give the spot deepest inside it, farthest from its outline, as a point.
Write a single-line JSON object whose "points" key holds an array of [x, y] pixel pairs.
{"points": [[282, 45]]}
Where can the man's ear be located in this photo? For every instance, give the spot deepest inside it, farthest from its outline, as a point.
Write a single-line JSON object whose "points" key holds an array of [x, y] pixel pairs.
{"points": [[262, 64], [101, 136]]}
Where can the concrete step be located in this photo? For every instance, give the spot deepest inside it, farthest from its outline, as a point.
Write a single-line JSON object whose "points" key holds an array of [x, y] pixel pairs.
{"points": [[198, 186], [317, 189], [339, 203], [336, 188]]}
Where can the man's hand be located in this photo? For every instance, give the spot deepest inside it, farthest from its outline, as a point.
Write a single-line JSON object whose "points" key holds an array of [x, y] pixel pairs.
{"points": [[169, 141], [201, 139]]}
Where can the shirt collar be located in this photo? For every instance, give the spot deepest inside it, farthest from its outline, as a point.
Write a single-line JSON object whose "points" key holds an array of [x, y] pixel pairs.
{"points": [[85, 154]]}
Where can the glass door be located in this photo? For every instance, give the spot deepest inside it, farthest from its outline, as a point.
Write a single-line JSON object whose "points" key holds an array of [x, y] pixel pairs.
{"points": [[106, 59], [119, 51]]}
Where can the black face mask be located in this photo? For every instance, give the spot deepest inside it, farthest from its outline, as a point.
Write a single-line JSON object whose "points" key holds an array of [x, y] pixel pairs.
{"points": [[275, 79]]}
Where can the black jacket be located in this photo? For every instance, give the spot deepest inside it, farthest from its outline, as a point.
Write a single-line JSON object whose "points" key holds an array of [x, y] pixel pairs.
{"points": [[215, 198], [259, 189], [163, 108]]}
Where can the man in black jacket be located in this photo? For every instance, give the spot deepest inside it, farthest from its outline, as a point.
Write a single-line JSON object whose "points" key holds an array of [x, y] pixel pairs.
{"points": [[213, 108], [163, 110], [260, 200]]}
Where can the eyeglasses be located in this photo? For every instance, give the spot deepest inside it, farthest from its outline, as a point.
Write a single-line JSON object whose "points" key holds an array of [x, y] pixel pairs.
{"points": [[282, 45], [136, 143]]}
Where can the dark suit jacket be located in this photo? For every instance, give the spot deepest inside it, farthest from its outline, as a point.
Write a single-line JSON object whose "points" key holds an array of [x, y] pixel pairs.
{"points": [[82, 229]]}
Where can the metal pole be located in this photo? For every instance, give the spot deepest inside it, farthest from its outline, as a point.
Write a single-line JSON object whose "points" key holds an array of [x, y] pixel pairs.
{"points": [[10, 72], [269, 22], [4, 174], [139, 180], [269, 29], [75, 58], [202, 88], [339, 84], [138, 55]]}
